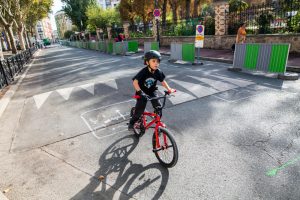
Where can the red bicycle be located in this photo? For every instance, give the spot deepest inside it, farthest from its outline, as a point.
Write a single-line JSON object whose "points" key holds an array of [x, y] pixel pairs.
{"points": [[164, 145]]}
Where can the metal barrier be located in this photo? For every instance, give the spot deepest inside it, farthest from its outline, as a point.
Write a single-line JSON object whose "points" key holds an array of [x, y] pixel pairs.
{"points": [[12, 66], [151, 46], [270, 57], [183, 52]]}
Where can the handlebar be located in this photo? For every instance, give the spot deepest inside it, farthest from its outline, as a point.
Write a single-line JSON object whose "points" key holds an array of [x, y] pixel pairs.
{"points": [[152, 98]]}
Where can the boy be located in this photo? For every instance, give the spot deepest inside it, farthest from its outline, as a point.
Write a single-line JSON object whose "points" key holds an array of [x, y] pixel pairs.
{"points": [[144, 84]]}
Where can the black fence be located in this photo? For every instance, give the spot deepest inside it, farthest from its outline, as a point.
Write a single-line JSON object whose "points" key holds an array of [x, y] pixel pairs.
{"points": [[12, 66], [188, 27], [276, 17]]}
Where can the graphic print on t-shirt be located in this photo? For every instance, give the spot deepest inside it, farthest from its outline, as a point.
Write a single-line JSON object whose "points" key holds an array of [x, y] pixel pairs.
{"points": [[149, 82]]}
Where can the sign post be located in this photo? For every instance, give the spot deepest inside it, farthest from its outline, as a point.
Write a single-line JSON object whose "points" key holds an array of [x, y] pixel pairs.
{"points": [[156, 14], [199, 41]]}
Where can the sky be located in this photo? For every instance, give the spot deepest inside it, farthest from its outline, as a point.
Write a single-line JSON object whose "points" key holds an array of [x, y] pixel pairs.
{"points": [[57, 5]]}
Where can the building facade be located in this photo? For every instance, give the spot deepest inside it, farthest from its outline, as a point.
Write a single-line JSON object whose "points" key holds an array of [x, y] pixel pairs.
{"points": [[63, 23], [108, 3], [44, 29]]}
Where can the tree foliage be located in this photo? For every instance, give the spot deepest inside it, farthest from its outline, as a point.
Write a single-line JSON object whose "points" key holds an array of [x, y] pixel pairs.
{"points": [[76, 11], [97, 17]]}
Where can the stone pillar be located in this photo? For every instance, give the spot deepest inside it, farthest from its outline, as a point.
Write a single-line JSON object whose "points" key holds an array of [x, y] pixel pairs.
{"points": [[109, 32], [154, 29], [220, 18], [126, 29]]}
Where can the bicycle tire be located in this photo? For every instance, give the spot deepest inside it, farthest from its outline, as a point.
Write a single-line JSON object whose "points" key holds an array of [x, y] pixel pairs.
{"points": [[159, 153]]}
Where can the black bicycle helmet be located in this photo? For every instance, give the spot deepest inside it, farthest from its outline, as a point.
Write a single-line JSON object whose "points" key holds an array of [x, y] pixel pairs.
{"points": [[152, 54]]}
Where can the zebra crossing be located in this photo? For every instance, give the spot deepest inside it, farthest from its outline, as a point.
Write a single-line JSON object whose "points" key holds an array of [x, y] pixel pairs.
{"points": [[191, 88]]}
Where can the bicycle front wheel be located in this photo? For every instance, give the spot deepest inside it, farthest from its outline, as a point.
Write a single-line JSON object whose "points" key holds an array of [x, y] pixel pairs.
{"points": [[165, 148]]}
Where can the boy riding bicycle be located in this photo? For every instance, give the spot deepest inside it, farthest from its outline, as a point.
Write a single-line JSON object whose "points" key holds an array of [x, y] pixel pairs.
{"points": [[144, 83]]}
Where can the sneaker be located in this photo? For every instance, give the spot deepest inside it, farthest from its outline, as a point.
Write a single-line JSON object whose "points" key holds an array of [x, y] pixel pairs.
{"points": [[130, 127]]}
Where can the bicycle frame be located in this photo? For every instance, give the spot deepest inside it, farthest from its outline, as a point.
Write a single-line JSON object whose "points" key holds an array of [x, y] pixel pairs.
{"points": [[158, 123]]}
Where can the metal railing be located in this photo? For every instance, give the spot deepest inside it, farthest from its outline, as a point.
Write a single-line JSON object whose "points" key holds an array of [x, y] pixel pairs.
{"points": [[276, 17], [12, 66]]}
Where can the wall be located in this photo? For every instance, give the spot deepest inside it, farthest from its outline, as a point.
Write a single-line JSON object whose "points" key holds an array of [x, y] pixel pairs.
{"points": [[226, 41]]}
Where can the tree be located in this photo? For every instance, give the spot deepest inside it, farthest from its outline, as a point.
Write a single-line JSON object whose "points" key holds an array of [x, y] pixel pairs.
{"points": [[97, 17], [174, 6], [7, 20], [144, 9], [36, 11], [126, 11], [76, 11]]}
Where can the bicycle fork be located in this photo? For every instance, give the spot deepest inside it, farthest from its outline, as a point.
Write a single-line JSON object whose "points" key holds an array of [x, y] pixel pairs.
{"points": [[156, 132]]}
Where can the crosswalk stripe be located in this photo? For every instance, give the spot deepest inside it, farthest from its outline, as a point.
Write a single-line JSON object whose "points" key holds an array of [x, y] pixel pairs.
{"points": [[218, 85], [197, 89], [66, 92], [179, 96], [41, 98], [238, 82]]}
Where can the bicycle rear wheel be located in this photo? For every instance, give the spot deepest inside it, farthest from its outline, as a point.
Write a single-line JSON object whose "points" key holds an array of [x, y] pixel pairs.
{"points": [[165, 149]]}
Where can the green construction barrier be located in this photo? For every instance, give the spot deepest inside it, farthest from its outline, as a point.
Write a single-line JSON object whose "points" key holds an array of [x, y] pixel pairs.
{"points": [[101, 46], [118, 48], [155, 46], [267, 57], [188, 52], [109, 47], [132, 46]]}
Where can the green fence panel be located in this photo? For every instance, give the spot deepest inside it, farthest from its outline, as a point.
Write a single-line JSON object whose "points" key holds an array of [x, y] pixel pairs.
{"points": [[279, 57], [188, 52], [251, 56], [155, 46], [109, 47], [119, 48], [132, 46]]}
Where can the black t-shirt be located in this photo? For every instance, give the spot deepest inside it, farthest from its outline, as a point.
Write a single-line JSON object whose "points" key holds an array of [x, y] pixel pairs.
{"points": [[147, 80]]}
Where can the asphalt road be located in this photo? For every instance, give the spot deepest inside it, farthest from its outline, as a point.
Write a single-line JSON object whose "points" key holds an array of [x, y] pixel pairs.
{"points": [[237, 133]]}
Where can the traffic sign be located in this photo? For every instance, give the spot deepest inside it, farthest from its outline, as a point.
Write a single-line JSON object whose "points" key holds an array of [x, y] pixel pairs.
{"points": [[156, 13], [199, 36]]}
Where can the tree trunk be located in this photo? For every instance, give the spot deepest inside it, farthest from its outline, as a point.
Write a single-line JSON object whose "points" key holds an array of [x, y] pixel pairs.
{"points": [[12, 39], [7, 40], [1, 52], [21, 37], [164, 14], [174, 12], [187, 9], [196, 5], [27, 45]]}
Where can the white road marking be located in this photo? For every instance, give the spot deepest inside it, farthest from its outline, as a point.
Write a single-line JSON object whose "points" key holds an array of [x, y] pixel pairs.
{"points": [[196, 89], [90, 87], [179, 96], [41, 98], [219, 85], [66, 92], [238, 82], [112, 84]]}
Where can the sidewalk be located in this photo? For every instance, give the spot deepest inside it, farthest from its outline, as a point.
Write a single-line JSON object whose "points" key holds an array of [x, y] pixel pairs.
{"points": [[227, 57]]}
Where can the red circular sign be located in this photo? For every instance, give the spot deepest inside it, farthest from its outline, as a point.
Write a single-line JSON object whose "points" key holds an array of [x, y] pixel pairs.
{"points": [[156, 13]]}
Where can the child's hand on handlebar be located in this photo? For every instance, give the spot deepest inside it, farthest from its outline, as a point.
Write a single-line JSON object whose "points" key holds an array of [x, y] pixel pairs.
{"points": [[171, 90]]}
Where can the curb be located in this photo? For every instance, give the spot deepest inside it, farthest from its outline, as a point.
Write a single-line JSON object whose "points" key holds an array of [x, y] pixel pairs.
{"points": [[2, 197]]}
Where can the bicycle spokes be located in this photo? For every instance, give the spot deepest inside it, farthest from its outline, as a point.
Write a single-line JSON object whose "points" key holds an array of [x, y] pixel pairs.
{"points": [[165, 148]]}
